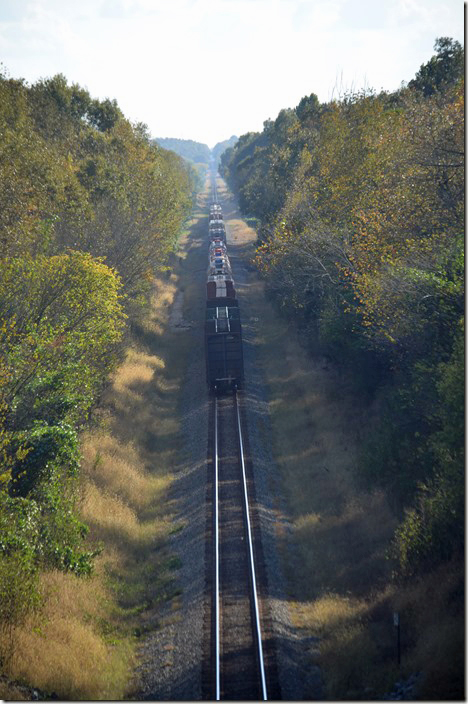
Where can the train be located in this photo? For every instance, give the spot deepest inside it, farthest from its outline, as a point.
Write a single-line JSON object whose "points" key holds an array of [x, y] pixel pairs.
{"points": [[223, 331]]}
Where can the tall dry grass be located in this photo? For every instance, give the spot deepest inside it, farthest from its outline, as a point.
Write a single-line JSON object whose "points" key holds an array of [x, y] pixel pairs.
{"points": [[335, 555], [80, 644], [63, 649]]}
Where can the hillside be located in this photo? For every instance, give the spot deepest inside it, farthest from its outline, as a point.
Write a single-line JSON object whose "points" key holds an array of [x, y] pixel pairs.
{"points": [[221, 147], [196, 152], [186, 148]]}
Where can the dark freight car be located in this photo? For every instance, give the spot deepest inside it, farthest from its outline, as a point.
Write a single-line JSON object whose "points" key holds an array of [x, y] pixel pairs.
{"points": [[220, 286], [223, 345]]}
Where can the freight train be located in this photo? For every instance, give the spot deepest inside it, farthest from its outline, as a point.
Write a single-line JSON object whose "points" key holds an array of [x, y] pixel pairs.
{"points": [[223, 331]]}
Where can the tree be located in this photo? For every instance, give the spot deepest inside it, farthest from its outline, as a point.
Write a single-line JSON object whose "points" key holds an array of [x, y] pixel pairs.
{"points": [[63, 322], [443, 69]]}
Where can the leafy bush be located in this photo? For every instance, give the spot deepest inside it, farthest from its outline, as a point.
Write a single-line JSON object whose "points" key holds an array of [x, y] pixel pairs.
{"points": [[65, 321], [19, 542], [433, 530], [42, 496], [47, 448]]}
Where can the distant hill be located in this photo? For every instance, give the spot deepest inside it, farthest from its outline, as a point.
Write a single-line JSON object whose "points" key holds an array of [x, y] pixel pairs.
{"points": [[196, 152], [188, 149], [221, 147]]}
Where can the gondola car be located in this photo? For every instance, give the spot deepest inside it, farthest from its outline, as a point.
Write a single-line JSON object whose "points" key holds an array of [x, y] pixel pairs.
{"points": [[216, 235], [220, 286], [223, 345], [217, 224]]}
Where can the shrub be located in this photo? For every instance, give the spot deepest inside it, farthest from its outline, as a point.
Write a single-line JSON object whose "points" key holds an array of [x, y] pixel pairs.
{"points": [[42, 492]]}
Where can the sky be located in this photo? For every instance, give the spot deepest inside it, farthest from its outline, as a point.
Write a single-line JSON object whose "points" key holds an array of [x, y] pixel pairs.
{"points": [[209, 69]]}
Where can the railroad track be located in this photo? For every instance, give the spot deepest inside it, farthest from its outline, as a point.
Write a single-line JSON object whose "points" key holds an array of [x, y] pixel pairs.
{"points": [[238, 665], [239, 659]]}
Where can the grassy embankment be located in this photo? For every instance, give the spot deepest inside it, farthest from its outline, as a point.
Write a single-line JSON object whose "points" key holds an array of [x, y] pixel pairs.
{"points": [[340, 582], [81, 643]]}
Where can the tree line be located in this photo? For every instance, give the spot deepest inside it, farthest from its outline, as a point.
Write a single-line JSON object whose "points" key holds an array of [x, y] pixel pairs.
{"points": [[360, 211], [90, 210], [198, 154]]}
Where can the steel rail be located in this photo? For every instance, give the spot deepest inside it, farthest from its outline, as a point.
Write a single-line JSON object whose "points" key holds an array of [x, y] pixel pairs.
{"points": [[217, 566], [257, 627], [251, 556], [216, 529]]}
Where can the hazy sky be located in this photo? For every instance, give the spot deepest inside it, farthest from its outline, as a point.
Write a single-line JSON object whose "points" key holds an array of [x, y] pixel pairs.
{"points": [[207, 69]]}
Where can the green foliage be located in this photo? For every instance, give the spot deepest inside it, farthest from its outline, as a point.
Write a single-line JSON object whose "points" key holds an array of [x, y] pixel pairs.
{"points": [[141, 195], [19, 539], [19, 521], [47, 448], [258, 166], [74, 173], [361, 209], [446, 67], [308, 110], [65, 322], [448, 442], [397, 455], [90, 209], [38, 513], [433, 530]]}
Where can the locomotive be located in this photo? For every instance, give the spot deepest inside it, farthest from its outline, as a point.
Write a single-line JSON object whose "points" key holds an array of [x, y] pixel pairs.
{"points": [[223, 331]]}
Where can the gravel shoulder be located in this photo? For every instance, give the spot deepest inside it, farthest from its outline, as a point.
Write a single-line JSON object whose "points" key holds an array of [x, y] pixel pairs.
{"points": [[170, 658]]}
